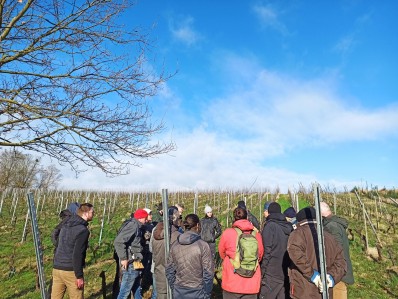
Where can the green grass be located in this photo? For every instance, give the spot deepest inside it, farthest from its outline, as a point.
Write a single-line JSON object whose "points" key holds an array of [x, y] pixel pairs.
{"points": [[374, 279]]}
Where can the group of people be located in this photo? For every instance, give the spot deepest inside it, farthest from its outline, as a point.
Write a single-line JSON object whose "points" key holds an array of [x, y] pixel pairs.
{"points": [[278, 259]]}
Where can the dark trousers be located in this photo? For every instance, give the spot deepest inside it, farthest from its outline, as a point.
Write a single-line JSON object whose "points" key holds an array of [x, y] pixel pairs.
{"points": [[212, 249], [272, 288], [228, 295]]}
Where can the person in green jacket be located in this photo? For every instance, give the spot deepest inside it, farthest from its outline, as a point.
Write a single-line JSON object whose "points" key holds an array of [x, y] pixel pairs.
{"points": [[337, 226]]}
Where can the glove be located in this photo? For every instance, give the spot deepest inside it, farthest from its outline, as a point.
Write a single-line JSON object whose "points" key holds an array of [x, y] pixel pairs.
{"points": [[316, 280], [330, 281]]}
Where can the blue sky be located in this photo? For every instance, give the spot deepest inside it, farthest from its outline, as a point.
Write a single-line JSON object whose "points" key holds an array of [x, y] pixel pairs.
{"points": [[274, 93]]}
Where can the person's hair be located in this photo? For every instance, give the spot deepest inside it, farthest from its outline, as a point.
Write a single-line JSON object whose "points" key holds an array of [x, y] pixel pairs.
{"points": [[191, 220], [325, 209], [85, 207], [180, 205], [240, 213]]}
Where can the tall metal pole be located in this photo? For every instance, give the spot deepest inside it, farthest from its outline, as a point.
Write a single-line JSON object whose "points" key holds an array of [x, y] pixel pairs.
{"points": [[321, 244], [38, 250], [166, 230]]}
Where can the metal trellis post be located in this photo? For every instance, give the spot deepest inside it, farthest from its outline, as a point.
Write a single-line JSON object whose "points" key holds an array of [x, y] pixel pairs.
{"points": [[37, 243], [321, 245]]}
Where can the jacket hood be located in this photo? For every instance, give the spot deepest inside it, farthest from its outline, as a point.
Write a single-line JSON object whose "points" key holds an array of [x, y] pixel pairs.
{"points": [[337, 219], [75, 220], [65, 214], [158, 233], [280, 219], [188, 238], [243, 225]]}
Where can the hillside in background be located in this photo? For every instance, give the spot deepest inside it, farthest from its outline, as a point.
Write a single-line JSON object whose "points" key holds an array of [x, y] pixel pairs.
{"points": [[373, 218]]}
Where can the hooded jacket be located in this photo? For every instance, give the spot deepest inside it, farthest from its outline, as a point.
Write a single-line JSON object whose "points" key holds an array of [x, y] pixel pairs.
{"points": [[275, 236], [337, 227], [210, 229], [128, 241], [190, 267], [65, 216], [303, 251], [158, 255], [70, 253], [232, 282]]}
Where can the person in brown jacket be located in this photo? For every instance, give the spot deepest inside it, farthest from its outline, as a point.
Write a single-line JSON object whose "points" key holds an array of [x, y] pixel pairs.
{"points": [[304, 270], [157, 246]]}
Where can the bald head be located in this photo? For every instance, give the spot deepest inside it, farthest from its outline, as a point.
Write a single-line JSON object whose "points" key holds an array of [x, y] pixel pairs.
{"points": [[325, 209]]}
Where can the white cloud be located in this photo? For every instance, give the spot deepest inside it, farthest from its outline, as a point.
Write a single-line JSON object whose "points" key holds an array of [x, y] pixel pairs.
{"points": [[288, 112], [183, 31], [345, 45], [270, 17], [239, 132]]}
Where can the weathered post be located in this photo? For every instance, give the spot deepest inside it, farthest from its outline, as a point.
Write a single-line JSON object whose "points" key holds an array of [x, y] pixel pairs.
{"points": [[166, 229], [38, 249], [321, 245]]}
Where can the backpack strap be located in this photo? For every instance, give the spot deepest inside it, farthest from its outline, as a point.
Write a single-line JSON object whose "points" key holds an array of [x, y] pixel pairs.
{"points": [[236, 260]]}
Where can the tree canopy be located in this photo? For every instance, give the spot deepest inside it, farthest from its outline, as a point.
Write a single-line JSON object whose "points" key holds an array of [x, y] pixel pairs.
{"points": [[19, 170], [75, 84]]}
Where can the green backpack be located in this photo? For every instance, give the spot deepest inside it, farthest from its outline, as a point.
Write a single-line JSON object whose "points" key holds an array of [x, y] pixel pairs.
{"points": [[245, 262]]}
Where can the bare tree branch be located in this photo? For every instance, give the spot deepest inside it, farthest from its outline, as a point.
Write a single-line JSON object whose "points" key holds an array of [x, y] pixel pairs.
{"points": [[75, 84]]}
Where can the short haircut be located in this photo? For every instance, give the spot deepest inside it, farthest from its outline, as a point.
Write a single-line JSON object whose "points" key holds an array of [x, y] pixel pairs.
{"points": [[325, 209], [240, 213], [180, 205], [191, 220], [85, 207]]}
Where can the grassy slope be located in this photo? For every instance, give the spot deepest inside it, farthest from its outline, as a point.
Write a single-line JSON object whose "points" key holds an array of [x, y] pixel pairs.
{"points": [[373, 279]]}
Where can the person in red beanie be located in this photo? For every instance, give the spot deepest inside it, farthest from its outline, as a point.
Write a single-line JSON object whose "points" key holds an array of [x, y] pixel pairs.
{"points": [[129, 249]]}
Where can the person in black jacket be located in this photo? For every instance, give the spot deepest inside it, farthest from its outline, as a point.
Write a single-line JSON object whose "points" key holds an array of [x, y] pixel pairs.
{"points": [[70, 254], [275, 235], [250, 216], [64, 215], [210, 230]]}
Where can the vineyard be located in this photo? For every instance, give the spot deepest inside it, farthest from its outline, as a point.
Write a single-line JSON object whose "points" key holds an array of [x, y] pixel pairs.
{"points": [[373, 218]]}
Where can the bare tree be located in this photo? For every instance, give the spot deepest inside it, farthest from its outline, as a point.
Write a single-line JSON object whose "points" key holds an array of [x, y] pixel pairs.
{"points": [[20, 169], [75, 82], [48, 177]]}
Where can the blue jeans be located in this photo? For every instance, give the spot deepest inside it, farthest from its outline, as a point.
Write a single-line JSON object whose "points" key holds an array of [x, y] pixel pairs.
{"points": [[130, 283]]}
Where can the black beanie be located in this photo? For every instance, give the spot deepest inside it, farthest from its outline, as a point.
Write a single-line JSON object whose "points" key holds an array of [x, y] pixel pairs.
{"points": [[290, 212], [241, 204], [274, 207], [308, 213]]}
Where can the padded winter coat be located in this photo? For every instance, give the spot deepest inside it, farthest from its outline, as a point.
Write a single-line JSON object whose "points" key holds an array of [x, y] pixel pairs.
{"points": [[70, 253], [275, 236], [210, 229], [190, 267], [232, 282], [303, 251], [337, 226]]}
